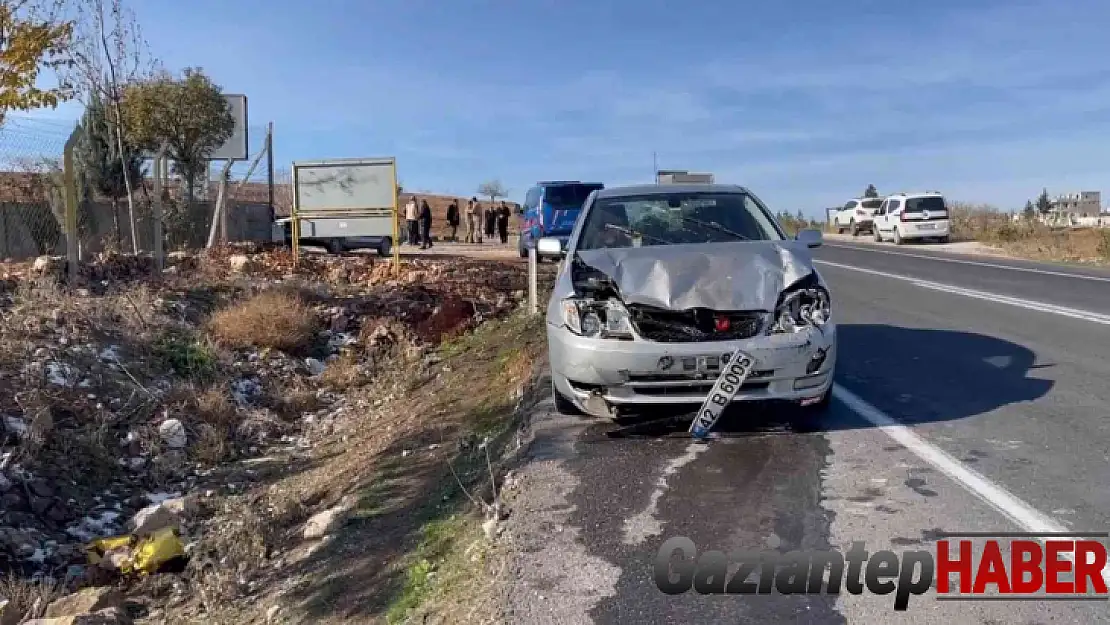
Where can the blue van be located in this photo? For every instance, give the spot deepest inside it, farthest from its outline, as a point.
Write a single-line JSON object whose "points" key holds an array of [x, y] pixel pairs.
{"points": [[550, 210]]}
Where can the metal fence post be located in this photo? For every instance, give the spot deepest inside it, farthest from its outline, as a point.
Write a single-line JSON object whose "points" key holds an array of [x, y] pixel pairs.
{"points": [[158, 212], [69, 177], [533, 279]]}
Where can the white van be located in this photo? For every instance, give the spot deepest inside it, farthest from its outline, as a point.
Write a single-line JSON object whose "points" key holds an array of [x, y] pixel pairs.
{"points": [[907, 216]]}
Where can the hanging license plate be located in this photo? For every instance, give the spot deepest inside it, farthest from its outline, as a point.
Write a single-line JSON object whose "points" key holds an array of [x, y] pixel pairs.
{"points": [[726, 387]]}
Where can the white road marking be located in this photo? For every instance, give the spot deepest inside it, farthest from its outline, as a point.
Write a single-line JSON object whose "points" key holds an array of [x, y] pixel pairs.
{"points": [[1025, 516], [1045, 272], [644, 525], [1074, 313]]}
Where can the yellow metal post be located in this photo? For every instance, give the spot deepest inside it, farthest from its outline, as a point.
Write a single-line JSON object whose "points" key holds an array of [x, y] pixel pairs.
{"points": [[70, 180], [396, 223]]}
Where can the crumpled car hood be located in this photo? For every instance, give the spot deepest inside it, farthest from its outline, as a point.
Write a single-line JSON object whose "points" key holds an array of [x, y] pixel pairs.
{"points": [[748, 275]]}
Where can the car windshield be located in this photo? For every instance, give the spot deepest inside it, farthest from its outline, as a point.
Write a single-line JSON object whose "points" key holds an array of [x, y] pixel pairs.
{"points": [[571, 195], [928, 203], [871, 204], [676, 218]]}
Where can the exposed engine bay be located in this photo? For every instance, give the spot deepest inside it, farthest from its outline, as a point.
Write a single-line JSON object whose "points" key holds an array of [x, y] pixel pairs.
{"points": [[598, 309]]}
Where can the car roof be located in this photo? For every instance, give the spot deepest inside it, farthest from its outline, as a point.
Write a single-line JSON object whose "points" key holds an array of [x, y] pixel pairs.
{"points": [[663, 189], [565, 183], [917, 194]]}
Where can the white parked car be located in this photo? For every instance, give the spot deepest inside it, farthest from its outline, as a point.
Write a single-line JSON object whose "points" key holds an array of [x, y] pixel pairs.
{"points": [[905, 216], [856, 215]]}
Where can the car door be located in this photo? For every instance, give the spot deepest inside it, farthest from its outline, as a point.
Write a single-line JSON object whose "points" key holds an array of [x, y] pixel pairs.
{"points": [[893, 214], [845, 214], [529, 227], [879, 220]]}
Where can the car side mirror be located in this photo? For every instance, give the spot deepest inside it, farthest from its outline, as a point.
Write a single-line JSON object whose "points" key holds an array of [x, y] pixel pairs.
{"points": [[549, 246], [812, 238]]}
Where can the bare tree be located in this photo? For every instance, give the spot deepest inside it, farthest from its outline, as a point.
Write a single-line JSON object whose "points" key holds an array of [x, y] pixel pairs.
{"points": [[111, 53], [492, 189]]}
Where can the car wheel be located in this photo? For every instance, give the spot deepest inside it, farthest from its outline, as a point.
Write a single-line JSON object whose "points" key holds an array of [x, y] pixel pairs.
{"points": [[942, 239], [385, 247], [897, 236], [562, 404], [334, 247], [854, 227], [875, 234], [523, 251]]}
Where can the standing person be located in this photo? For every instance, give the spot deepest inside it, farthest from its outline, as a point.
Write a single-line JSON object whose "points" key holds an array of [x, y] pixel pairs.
{"points": [[479, 219], [411, 214], [503, 215], [491, 222], [425, 225], [469, 221], [453, 219]]}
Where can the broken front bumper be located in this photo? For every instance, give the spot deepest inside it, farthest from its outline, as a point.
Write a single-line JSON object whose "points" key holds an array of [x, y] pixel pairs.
{"points": [[600, 375]]}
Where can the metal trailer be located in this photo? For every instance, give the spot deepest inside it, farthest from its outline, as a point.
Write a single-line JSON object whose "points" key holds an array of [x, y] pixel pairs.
{"points": [[343, 204]]}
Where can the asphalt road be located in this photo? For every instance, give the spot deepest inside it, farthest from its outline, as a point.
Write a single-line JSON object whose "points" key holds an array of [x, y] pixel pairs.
{"points": [[991, 380]]}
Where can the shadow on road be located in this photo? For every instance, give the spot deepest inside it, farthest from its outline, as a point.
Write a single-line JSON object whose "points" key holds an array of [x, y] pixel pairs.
{"points": [[914, 375]]}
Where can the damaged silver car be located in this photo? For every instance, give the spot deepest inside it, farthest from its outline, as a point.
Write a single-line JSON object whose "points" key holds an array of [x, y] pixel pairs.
{"points": [[662, 285]]}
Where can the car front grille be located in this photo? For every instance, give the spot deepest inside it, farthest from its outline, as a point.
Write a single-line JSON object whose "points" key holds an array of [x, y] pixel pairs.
{"points": [[695, 325]]}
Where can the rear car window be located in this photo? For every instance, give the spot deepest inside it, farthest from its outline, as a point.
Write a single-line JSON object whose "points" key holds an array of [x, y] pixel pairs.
{"points": [[929, 203], [572, 196], [871, 204]]}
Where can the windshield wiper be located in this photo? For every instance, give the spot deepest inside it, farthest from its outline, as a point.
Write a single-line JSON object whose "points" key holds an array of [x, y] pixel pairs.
{"points": [[714, 227]]}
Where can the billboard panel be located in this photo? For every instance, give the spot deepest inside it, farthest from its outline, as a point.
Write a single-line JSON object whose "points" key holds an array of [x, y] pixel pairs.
{"points": [[344, 186]]}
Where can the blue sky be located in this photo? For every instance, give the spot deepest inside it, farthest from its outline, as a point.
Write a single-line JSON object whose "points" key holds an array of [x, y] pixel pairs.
{"points": [[805, 101]]}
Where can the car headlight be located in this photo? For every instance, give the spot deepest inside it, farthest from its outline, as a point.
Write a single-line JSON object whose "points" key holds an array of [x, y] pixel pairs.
{"points": [[806, 305], [594, 319]]}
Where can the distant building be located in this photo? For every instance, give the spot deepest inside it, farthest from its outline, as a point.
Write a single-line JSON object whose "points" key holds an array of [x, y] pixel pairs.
{"points": [[1082, 203], [675, 176]]}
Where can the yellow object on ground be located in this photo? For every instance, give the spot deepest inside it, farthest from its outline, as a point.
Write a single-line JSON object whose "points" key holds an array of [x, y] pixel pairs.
{"points": [[131, 554]]}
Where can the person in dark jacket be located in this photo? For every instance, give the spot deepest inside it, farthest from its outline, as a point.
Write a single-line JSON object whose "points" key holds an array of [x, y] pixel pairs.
{"points": [[491, 222], [453, 220], [503, 214], [425, 225]]}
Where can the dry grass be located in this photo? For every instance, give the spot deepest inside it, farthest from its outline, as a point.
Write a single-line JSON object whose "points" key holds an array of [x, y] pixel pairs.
{"points": [[343, 374], [1029, 239], [26, 599], [419, 547], [276, 319]]}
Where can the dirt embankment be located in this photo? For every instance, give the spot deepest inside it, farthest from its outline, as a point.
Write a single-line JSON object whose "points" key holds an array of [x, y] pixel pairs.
{"points": [[270, 444]]}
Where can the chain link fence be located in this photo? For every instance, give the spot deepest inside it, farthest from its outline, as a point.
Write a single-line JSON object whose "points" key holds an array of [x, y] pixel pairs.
{"points": [[33, 199], [32, 206]]}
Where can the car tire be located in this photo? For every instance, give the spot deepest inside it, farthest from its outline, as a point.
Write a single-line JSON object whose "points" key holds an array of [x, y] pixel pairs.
{"points": [[942, 239], [523, 251], [385, 247], [897, 236], [875, 234], [334, 247], [562, 404], [853, 227]]}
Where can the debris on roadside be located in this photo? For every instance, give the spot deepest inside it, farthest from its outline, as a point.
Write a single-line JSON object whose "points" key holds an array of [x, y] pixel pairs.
{"points": [[126, 424]]}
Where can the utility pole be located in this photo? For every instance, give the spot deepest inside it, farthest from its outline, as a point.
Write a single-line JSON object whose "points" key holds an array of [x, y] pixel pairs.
{"points": [[654, 167], [270, 168]]}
